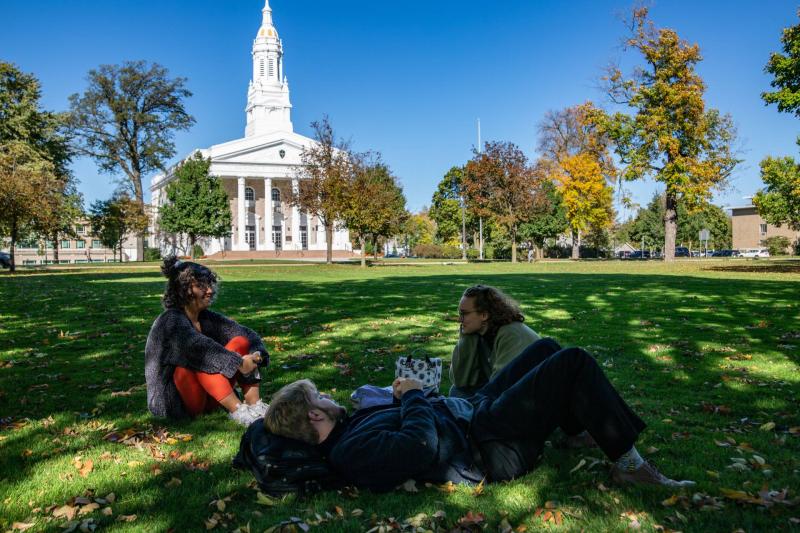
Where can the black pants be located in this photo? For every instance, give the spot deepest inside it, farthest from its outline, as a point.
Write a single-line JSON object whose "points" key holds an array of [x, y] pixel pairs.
{"points": [[543, 388]]}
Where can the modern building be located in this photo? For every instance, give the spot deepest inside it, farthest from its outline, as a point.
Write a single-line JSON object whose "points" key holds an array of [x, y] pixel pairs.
{"points": [[84, 248], [259, 171], [750, 230]]}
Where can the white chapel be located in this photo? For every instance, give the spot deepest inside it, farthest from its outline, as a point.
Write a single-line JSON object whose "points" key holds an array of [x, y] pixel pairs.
{"points": [[259, 171]]}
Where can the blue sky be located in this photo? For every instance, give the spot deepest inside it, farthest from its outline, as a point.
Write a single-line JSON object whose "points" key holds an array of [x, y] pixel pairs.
{"points": [[409, 79]]}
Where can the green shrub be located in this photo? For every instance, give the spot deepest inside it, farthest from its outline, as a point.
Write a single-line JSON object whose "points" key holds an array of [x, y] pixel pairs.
{"points": [[198, 251], [152, 254], [777, 245]]}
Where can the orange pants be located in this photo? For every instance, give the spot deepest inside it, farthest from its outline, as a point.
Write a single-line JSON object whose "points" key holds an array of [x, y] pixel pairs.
{"points": [[202, 392]]}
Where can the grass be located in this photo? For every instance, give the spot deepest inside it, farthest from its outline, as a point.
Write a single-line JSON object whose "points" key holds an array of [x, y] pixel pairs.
{"points": [[706, 352]]}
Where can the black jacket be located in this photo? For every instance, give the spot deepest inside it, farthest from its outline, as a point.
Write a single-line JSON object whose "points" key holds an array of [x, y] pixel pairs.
{"points": [[381, 447]]}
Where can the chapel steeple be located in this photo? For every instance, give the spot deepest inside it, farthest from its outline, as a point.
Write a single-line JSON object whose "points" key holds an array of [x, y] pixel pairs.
{"points": [[268, 107]]}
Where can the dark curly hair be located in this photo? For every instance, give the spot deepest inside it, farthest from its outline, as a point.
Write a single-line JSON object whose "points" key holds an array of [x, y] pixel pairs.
{"points": [[501, 308], [180, 276]]}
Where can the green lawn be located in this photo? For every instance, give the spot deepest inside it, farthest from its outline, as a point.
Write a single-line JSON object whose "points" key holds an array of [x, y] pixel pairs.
{"points": [[706, 352]]}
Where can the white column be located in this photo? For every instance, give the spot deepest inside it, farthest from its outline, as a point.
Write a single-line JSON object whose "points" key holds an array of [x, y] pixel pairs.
{"points": [[321, 245], [257, 221], [269, 245], [295, 218], [240, 217]]}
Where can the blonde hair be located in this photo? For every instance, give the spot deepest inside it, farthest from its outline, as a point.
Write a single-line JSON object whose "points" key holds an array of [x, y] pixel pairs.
{"points": [[288, 412]]}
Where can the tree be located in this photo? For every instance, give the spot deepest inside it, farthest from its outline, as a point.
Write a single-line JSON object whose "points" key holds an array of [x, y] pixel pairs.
{"points": [[34, 154], [672, 136], [60, 208], [547, 223], [777, 244], [450, 211], [575, 155], [418, 229], [112, 220], [374, 203], [779, 202], [197, 204], [785, 71], [324, 176], [126, 120], [500, 184]]}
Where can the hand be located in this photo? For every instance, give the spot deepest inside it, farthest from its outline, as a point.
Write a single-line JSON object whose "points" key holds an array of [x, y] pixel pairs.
{"points": [[248, 365], [257, 357], [402, 385]]}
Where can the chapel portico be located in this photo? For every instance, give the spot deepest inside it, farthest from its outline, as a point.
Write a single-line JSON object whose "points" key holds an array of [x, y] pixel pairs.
{"points": [[259, 172]]}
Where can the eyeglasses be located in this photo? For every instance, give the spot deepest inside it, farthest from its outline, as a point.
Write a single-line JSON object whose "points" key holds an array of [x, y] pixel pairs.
{"points": [[462, 314]]}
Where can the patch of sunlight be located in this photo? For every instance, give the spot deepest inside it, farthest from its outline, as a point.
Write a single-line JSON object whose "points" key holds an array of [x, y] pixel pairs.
{"points": [[114, 281], [770, 403], [555, 314]]}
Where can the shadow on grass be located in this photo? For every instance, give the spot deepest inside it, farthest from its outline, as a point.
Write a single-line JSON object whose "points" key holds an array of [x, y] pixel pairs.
{"points": [[787, 266], [667, 341]]}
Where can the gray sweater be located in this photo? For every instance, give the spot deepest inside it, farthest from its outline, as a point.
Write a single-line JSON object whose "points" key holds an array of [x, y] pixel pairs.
{"points": [[173, 341]]}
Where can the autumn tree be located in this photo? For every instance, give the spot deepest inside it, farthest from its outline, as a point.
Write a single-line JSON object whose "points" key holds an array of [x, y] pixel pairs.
{"points": [[197, 204], [418, 229], [575, 155], [548, 221], [779, 202], [324, 176], [500, 183], [374, 204], [114, 219], [671, 135], [34, 155]]}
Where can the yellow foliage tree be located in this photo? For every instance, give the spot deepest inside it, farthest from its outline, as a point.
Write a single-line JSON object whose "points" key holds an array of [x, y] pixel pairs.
{"points": [[586, 195]]}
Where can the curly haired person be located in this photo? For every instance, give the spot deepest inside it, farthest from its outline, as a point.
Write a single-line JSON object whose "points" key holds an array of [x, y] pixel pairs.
{"points": [[194, 357]]}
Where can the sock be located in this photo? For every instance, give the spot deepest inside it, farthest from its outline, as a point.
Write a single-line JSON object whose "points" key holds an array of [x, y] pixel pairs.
{"points": [[630, 460]]}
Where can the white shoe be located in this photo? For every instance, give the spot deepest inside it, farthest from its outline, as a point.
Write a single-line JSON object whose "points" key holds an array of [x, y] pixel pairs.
{"points": [[259, 408], [243, 415]]}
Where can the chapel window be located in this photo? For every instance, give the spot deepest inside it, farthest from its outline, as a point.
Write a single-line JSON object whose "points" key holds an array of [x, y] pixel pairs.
{"points": [[276, 195], [249, 194]]}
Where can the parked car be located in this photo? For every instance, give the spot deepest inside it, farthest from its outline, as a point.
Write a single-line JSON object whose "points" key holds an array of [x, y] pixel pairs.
{"points": [[5, 260], [682, 251], [723, 253], [755, 253], [640, 254]]}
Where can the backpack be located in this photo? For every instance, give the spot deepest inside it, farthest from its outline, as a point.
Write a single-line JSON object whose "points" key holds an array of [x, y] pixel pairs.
{"points": [[282, 465]]}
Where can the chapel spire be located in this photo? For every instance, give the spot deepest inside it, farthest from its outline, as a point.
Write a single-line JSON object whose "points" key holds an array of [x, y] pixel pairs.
{"points": [[268, 107]]}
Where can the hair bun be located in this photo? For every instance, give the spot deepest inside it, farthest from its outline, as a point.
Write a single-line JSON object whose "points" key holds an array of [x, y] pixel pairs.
{"points": [[170, 266]]}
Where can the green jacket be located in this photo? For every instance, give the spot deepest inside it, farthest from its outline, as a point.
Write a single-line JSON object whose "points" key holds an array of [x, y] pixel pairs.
{"points": [[474, 364]]}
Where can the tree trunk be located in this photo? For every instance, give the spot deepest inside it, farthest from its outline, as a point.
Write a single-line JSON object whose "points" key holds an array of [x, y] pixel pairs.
{"points": [[514, 244], [576, 244], [136, 179], [192, 241], [363, 242], [375, 248], [670, 226], [329, 242], [55, 247], [13, 267]]}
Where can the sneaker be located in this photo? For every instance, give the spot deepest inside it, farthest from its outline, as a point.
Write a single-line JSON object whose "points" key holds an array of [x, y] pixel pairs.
{"points": [[647, 474], [259, 408], [243, 415]]}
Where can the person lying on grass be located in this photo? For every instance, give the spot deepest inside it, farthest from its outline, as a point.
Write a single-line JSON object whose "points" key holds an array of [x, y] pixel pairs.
{"points": [[498, 433], [195, 356]]}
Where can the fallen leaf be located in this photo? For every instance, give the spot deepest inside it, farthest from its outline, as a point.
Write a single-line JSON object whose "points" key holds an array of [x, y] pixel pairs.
{"points": [[478, 490], [65, 511], [410, 486], [174, 482], [22, 526], [126, 518], [86, 509], [263, 499], [769, 426], [580, 465], [107, 511]]}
